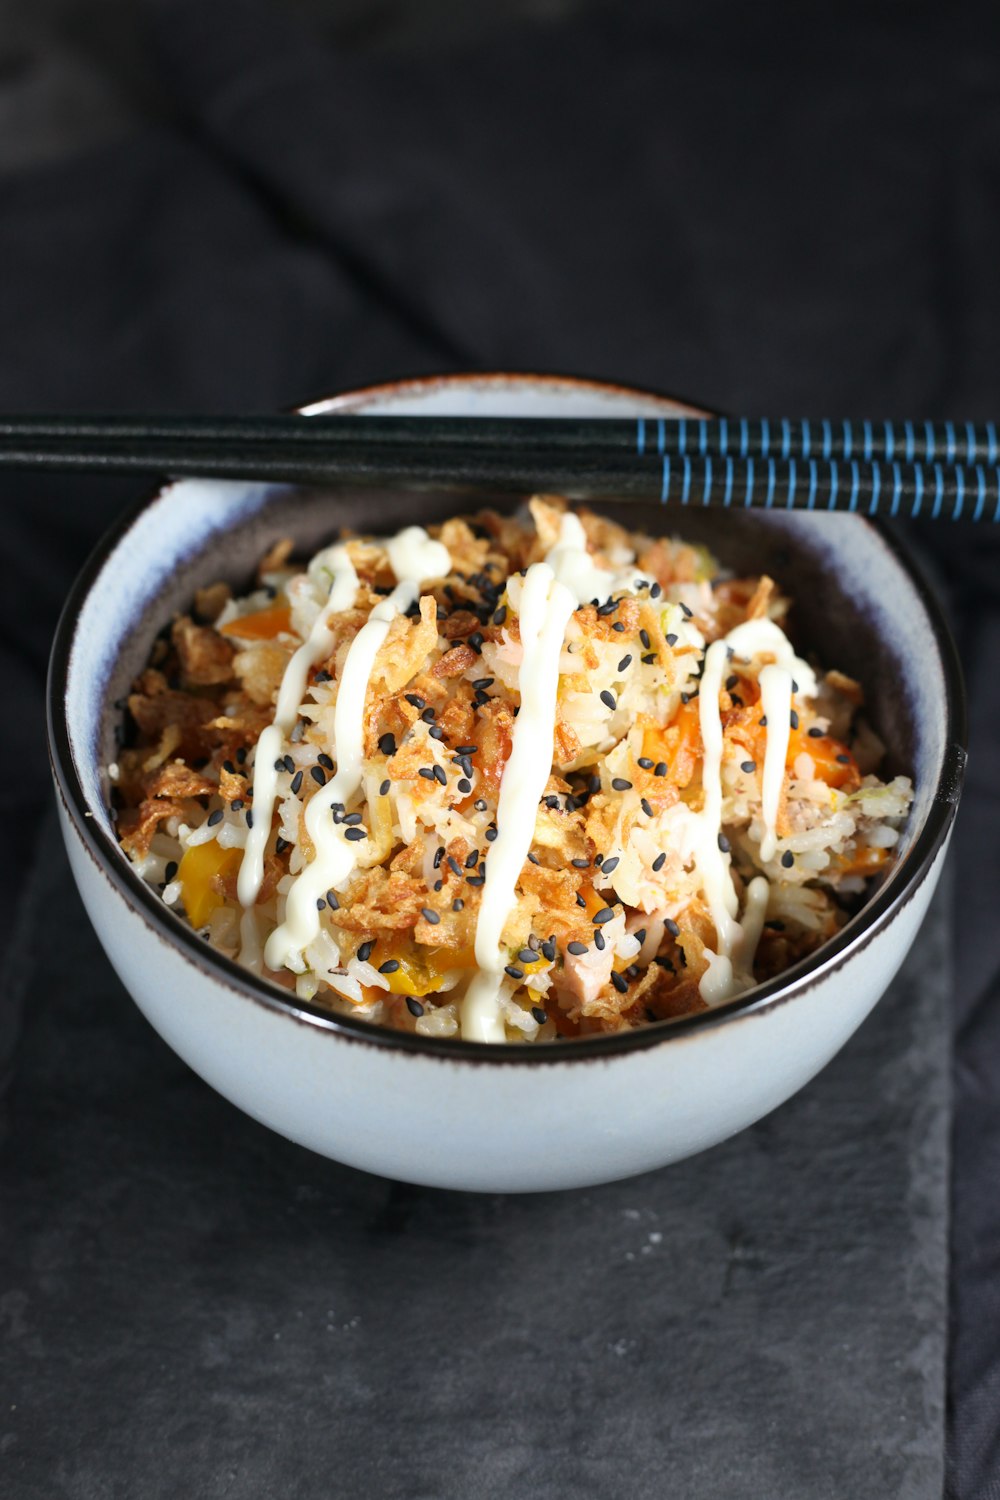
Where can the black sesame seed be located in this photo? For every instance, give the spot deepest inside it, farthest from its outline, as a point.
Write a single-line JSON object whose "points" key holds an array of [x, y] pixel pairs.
{"points": [[687, 613], [608, 608], [440, 775], [659, 862], [215, 818], [548, 950], [227, 765], [539, 1014], [426, 772], [649, 659], [788, 859], [436, 732], [626, 661], [640, 936], [632, 972], [609, 865], [430, 915], [383, 790], [480, 804], [415, 700], [324, 760], [428, 716], [241, 755], [513, 971], [318, 775], [532, 857], [619, 784], [606, 914], [793, 719], [843, 760], [647, 809], [619, 981], [279, 764], [437, 885], [671, 640], [618, 626], [320, 904], [465, 786], [472, 860], [454, 866], [458, 904], [355, 834], [331, 901], [609, 700], [414, 1006], [250, 817], [526, 956], [170, 871], [724, 843], [776, 924], [581, 864], [466, 749], [476, 880], [391, 966], [576, 948], [351, 819], [280, 845], [580, 902], [322, 676], [599, 943], [672, 927], [491, 834], [660, 768], [365, 952], [763, 721], [645, 763], [499, 615], [731, 682], [815, 733], [387, 744], [749, 766], [655, 591], [476, 641], [483, 682]]}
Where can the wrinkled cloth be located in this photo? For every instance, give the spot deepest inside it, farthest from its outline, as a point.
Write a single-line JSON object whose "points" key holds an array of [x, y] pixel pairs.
{"points": [[719, 203]]}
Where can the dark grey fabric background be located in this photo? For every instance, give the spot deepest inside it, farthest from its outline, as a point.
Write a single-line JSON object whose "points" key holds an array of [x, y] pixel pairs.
{"points": [[231, 206]]}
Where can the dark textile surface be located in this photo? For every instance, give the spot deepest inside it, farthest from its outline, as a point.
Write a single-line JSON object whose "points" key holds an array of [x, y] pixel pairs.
{"points": [[708, 201]]}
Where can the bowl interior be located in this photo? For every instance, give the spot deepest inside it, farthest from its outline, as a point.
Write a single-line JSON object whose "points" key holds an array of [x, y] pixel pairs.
{"points": [[857, 606]]}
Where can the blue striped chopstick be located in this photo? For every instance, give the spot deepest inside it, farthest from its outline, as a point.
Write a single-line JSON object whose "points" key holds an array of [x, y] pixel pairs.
{"points": [[944, 470]]}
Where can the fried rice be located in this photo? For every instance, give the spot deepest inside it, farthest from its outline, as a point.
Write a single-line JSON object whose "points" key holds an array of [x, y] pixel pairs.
{"points": [[515, 779]]}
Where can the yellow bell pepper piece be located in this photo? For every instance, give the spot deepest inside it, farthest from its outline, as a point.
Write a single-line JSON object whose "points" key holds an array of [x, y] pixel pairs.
{"points": [[197, 869]]}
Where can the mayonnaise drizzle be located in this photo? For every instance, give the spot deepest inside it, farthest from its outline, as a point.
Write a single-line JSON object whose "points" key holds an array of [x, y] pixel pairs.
{"points": [[317, 645], [552, 590], [545, 609], [413, 557], [730, 970]]}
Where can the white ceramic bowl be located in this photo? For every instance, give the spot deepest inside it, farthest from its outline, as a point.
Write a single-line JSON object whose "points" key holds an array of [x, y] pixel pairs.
{"points": [[458, 1114]]}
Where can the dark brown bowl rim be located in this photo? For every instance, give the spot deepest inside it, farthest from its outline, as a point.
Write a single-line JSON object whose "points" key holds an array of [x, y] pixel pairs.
{"points": [[898, 890]]}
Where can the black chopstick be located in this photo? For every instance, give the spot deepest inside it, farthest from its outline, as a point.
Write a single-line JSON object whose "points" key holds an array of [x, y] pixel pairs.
{"points": [[934, 469]]}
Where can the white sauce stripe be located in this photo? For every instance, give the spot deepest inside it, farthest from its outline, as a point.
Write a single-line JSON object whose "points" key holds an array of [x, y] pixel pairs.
{"points": [[545, 610], [317, 646], [413, 557]]}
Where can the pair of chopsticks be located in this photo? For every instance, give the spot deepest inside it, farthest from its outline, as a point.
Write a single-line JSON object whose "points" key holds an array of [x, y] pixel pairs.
{"points": [[948, 469]]}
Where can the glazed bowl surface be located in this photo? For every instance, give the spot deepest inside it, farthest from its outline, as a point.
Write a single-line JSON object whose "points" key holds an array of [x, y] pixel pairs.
{"points": [[460, 1114]]}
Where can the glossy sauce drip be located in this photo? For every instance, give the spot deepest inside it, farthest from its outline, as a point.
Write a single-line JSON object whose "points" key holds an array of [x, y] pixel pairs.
{"points": [[552, 591], [730, 970], [316, 647], [413, 557], [545, 610]]}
